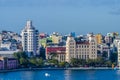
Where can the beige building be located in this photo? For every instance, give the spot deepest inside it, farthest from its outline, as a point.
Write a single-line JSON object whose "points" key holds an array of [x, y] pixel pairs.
{"points": [[56, 38], [81, 50]]}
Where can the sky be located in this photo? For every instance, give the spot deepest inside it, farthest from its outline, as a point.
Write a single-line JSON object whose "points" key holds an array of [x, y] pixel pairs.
{"points": [[64, 16]]}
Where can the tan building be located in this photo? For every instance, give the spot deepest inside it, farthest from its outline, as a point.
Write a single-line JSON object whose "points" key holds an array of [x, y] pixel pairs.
{"points": [[98, 38], [81, 50], [56, 38]]}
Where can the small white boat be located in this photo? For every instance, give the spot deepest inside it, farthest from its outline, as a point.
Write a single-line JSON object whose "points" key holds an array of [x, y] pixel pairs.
{"points": [[47, 75]]}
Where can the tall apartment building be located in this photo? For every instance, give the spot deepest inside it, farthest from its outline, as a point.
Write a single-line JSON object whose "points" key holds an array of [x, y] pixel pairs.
{"points": [[30, 38], [81, 50]]}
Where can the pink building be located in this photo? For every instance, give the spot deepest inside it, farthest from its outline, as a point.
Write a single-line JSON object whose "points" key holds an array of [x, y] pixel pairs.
{"points": [[1, 65], [12, 63], [8, 63]]}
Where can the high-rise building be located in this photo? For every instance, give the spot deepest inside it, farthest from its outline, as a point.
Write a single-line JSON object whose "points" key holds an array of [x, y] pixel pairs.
{"points": [[30, 38], [81, 50]]}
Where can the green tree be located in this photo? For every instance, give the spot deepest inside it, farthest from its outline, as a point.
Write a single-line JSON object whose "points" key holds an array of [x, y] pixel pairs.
{"points": [[40, 62], [33, 61], [53, 61], [53, 55], [74, 62], [23, 62], [62, 64], [113, 57]]}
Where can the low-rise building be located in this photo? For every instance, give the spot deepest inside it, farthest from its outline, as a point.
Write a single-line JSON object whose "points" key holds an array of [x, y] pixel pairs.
{"points": [[58, 52], [9, 54], [1, 65], [8, 63]]}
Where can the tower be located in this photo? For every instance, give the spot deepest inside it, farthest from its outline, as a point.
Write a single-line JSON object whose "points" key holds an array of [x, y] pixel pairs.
{"points": [[30, 39], [93, 47], [70, 49]]}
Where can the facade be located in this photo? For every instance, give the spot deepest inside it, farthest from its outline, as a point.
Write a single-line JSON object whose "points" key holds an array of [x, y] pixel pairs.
{"points": [[81, 50], [108, 39], [56, 38], [0, 39], [116, 41], [98, 38], [103, 48], [30, 38], [58, 51], [9, 54], [8, 63], [119, 54], [12, 63], [1, 65]]}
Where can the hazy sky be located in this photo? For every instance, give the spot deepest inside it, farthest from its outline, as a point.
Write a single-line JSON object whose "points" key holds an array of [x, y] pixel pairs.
{"points": [[64, 16]]}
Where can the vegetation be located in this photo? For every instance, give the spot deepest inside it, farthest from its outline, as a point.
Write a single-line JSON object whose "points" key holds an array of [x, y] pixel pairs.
{"points": [[26, 61]]}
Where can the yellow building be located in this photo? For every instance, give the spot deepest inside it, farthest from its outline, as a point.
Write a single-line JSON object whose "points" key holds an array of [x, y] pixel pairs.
{"points": [[98, 38], [56, 38]]}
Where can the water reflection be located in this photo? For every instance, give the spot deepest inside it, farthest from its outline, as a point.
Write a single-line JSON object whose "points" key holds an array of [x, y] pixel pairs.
{"points": [[62, 75], [118, 72], [67, 74]]}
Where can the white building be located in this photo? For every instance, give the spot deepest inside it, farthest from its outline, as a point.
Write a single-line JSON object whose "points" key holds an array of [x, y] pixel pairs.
{"points": [[119, 54], [9, 54], [81, 50], [0, 40], [30, 39]]}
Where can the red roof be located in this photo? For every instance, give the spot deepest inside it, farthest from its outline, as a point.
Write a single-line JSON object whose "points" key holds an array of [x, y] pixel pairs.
{"points": [[55, 49]]}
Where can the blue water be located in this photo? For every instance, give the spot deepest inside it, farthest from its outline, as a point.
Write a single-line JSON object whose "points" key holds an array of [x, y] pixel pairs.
{"points": [[62, 75]]}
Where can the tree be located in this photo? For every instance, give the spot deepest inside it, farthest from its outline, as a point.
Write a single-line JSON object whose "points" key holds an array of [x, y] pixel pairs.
{"points": [[104, 54], [53, 55], [19, 55], [23, 62], [74, 62], [113, 57], [62, 64], [33, 61], [40, 62], [53, 61]]}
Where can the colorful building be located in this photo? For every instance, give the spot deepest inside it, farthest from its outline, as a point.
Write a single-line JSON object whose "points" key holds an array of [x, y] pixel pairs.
{"points": [[98, 38], [58, 52], [1, 65], [8, 63]]}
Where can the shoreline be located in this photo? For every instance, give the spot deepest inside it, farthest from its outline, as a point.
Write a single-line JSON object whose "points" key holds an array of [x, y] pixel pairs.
{"points": [[73, 68]]}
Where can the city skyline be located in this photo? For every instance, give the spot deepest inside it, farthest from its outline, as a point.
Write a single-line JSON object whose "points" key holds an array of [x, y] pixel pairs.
{"points": [[61, 16]]}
